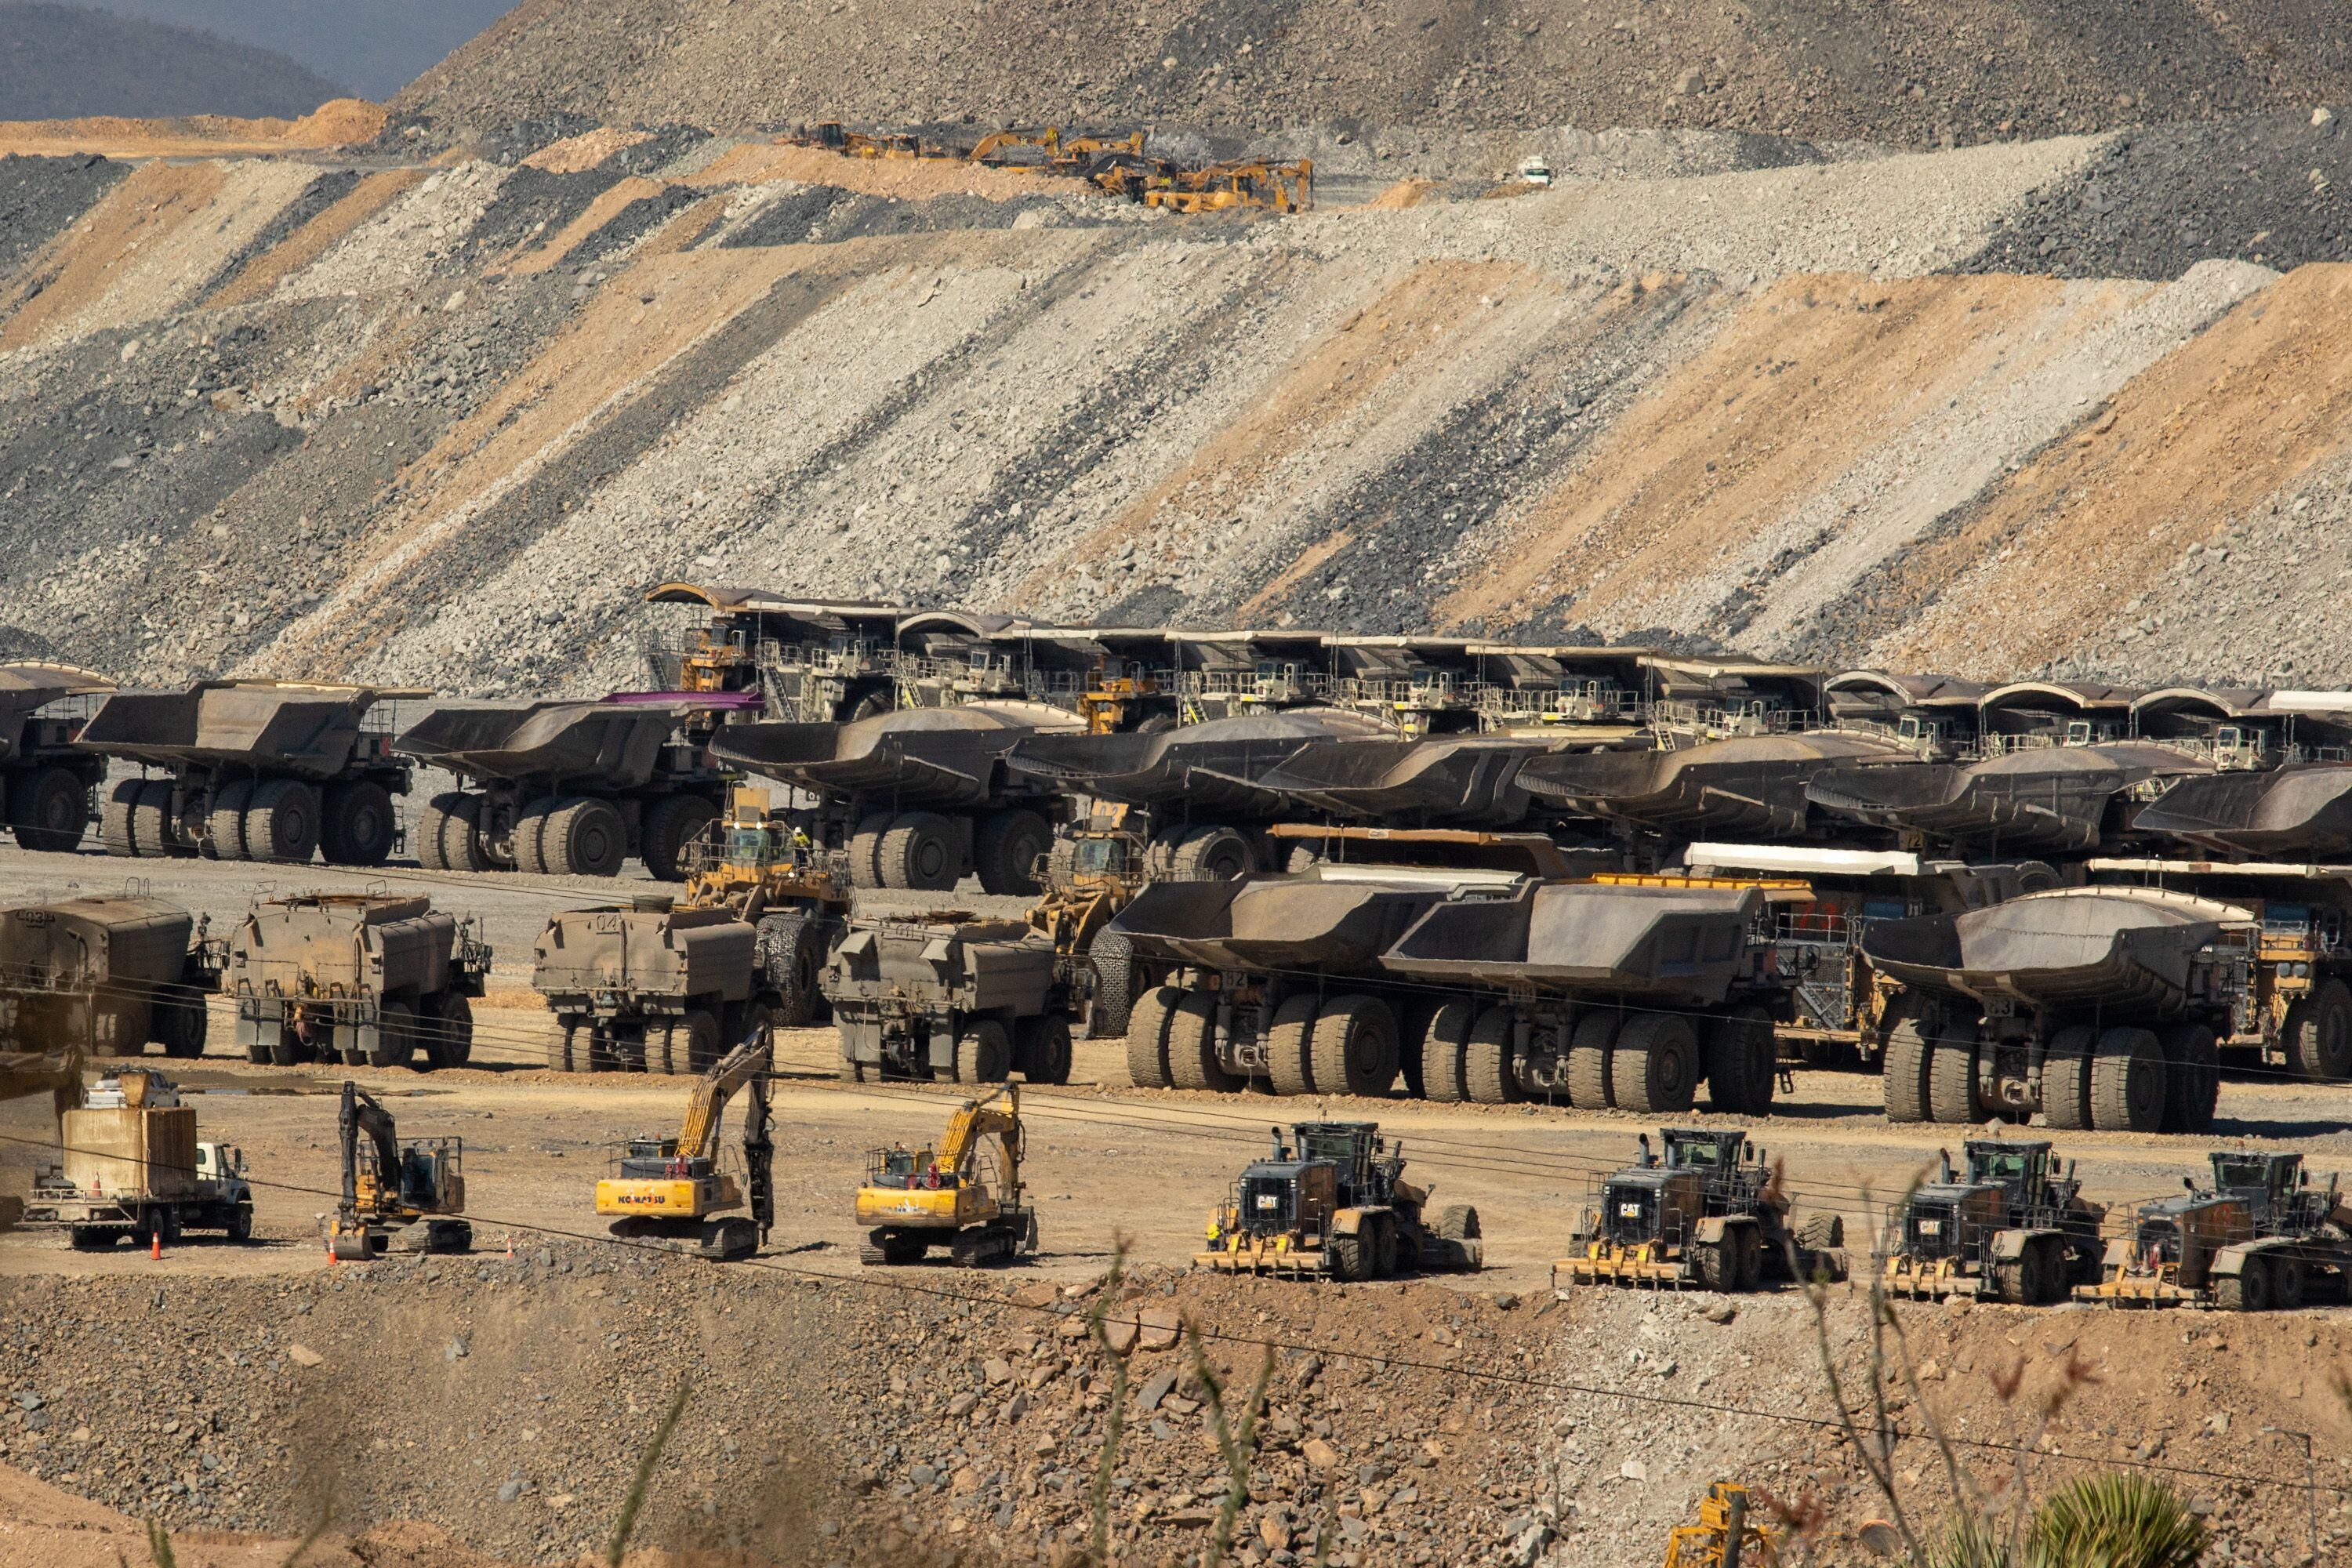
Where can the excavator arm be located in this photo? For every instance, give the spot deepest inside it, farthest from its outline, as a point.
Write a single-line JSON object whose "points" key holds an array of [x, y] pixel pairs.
{"points": [[998, 1116], [362, 1113], [699, 1139]]}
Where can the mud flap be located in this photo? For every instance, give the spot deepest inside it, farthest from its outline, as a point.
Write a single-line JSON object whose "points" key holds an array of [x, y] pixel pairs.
{"points": [[2009, 1246], [257, 1024]]}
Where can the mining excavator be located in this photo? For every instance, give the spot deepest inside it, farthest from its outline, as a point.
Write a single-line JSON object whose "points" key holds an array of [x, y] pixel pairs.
{"points": [[403, 1191], [916, 1199], [1725, 1535], [674, 1192]]}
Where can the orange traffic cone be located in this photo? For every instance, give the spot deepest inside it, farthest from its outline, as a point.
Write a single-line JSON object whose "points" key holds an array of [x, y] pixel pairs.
{"points": [[155, 1244], [509, 1243]]}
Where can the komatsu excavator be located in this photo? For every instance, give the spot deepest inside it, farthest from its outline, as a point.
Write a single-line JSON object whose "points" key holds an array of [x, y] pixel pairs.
{"points": [[674, 1191], [916, 1199], [395, 1192]]}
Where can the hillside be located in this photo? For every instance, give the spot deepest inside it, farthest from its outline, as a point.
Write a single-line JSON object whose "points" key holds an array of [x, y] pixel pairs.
{"points": [[378, 49], [445, 424], [62, 61], [1908, 72]]}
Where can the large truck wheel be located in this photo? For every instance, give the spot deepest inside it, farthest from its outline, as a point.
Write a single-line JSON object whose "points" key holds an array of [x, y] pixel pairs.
{"points": [[1208, 854], [1192, 1046], [1487, 1078], [119, 1027], [584, 837], [358, 825], [282, 823], [180, 1025], [1290, 1045], [1353, 1047], [1112, 956], [920, 853], [2192, 1078], [865, 850], [1005, 846], [983, 1053], [1441, 1046], [1952, 1079], [2127, 1082], [1040, 1048], [530, 835], [791, 958], [150, 819], [671, 829], [449, 1032], [1903, 1072], [1146, 1038], [395, 1036], [449, 838], [2318, 1034], [225, 826], [2067, 1078], [695, 1044], [1742, 1063], [1592, 1051], [115, 829], [49, 811], [564, 1052], [1654, 1067]]}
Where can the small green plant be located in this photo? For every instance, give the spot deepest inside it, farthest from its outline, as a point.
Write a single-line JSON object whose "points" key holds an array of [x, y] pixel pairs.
{"points": [[1115, 1417], [626, 1526], [1237, 1447], [2115, 1521]]}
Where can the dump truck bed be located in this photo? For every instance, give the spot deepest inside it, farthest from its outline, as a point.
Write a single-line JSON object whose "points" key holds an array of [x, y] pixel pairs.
{"points": [[2303, 811], [80, 943], [614, 743], [920, 757], [309, 731], [1748, 786], [25, 687], [2050, 797], [1342, 924], [2125, 947], [645, 952], [1213, 768], [1585, 937], [1465, 781]]}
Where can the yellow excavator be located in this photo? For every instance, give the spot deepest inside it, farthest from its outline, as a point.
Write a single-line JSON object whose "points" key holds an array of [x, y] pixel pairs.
{"points": [[916, 1199], [407, 1193], [1723, 1537], [674, 1191]]}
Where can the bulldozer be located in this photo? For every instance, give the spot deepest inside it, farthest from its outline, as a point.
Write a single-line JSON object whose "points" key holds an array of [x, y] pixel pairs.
{"points": [[2014, 1226], [1333, 1202], [916, 1199], [1710, 1214], [675, 1192], [407, 1193], [1723, 1537]]}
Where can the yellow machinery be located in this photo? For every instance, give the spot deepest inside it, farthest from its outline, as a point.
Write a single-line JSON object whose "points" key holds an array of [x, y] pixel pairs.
{"points": [[673, 1190], [1723, 1537], [398, 1192], [1278, 187], [916, 1199], [758, 862]]}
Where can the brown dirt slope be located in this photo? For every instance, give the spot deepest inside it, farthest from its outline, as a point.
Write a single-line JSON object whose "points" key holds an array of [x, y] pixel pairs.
{"points": [[1906, 73]]}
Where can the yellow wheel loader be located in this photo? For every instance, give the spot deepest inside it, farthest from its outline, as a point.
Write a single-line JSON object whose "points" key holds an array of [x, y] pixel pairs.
{"points": [[396, 1193], [675, 1191], [916, 1199]]}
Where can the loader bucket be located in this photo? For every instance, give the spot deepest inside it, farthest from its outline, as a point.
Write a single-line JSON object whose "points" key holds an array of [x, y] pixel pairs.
{"points": [[304, 730], [614, 743], [2301, 811], [2052, 797], [2125, 947], [1586, 938], [1749, 786], [1289, 922]]}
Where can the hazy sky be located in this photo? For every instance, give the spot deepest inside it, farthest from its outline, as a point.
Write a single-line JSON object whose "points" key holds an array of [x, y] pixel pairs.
{"points": [[372, 47]]}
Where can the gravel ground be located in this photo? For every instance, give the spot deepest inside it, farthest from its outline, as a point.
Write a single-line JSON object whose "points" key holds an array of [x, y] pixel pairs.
{"points": [[39, 196]]}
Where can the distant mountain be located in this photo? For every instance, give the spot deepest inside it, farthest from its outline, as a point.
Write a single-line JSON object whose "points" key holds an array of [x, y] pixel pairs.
{"points": [[61, 62], [377, 48]]}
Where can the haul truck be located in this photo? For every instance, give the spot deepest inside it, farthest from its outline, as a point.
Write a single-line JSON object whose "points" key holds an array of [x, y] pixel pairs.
{"points": [[356, 977], [107, 975], [45, 779]]}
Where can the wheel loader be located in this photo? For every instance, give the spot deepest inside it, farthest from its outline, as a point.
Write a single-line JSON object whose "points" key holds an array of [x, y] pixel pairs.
{"points": [[2014, 1227], [1710, 1214], [1332, 1203], [963, 1195], [404, 1194], [2259, 1238], [675, 1191]]}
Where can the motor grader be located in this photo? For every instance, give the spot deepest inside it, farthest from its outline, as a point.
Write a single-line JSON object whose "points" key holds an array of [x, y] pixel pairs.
{"points": [[966, 1194], [675, 1192], [2014, 1226], [1332, 1203], [2259, 1238], [404, 1194], [1710, 1214]]}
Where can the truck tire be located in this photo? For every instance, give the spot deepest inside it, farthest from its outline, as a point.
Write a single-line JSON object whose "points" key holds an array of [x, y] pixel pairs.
{"points": [[49, 811], [1146, 1038], [1048, 1054], [2318, 1034], [239, 1227], [563, 1047], [1289, 1039], [1904, 1073], [119, 1027], [1654, 1066], [2287, 1284], [1004, 850], [1192, 1046], [693, 1038], [180, 1023], [1719, 1270], [225, 826], [1591, 1050], [1112, 955], [2249, 1290], [866, 850], [1210, 853], [790, 956], [530, 835], [584, 836], [449, 1033], [1487, 1076], [1384, 1246], [919, 854], [669, 834], [1413, 1014], [1351, 1256], [395, 1036], [2067, 1078], [983, 1054], [1952, 1080], [1353, 1047], [282, 823], [1822, 1233], [1442, 1044], [91, 1238], [358, 825], [449, 835], [2127, 1082], [2192, 1076], [114, 824], [286, 1048], [1742, 1069], [1458, 1221], [150, 819]]}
